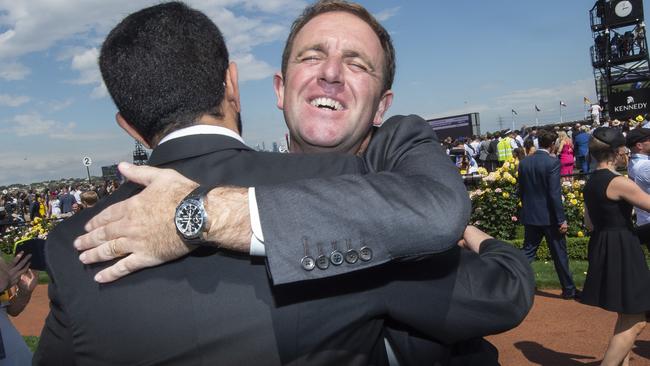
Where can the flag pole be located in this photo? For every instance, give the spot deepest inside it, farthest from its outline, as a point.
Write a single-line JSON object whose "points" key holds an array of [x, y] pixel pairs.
{"points": [[561, 121], [536, 119]]}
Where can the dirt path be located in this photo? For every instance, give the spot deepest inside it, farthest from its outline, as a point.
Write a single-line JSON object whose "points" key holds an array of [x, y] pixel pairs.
{"points": [[557, 332], [560, 332]]}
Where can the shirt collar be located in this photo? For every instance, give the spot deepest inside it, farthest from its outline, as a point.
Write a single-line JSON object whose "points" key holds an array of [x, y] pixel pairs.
{"points": [[201, 130], [640, 156]]}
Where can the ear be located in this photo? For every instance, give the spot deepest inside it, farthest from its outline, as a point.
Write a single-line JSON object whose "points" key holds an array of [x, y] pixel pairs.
{"points": [[232, 87], [126, 126], [384, 103], [278, 85]]}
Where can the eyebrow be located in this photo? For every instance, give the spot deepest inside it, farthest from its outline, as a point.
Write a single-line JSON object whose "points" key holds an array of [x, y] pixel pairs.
{"points": [[355, 54], [316, 47], [319, 47]]}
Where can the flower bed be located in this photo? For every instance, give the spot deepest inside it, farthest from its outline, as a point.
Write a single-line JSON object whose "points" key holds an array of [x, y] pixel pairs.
{"points": [[38, 228], [496, 204]]}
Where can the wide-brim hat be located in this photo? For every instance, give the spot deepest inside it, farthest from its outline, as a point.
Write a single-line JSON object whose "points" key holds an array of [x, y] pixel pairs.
{"points": [[616, 123], [639, 118], [610, 136], [637, 135]]}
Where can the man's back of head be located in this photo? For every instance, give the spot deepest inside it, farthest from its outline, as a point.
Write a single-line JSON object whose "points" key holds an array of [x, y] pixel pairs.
{"points": [[546, 139], [164, 67]]}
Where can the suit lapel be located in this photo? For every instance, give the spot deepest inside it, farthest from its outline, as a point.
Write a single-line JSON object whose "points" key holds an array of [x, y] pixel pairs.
{"points": [[192, 146]]}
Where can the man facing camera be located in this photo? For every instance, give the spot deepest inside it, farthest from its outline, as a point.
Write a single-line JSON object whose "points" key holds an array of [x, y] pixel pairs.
{"points": [[224, 308]]}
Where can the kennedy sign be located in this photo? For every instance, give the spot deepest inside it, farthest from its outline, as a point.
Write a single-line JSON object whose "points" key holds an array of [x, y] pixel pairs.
{"points": [[629, 104]]}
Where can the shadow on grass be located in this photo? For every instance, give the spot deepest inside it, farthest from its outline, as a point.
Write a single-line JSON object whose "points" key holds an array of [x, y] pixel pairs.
{"points": [[540, 355]]}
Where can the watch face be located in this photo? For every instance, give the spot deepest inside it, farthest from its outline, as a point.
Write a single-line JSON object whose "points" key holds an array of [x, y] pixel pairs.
{"points": [[189, 218], [623, 8]]}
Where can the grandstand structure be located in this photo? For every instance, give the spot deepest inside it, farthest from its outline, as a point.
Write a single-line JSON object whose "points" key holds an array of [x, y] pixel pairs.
{"points": [[140, 156], [619, 57]]}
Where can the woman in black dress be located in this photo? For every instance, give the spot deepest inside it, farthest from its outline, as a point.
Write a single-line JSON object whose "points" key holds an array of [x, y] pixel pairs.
{"points": [[618, 278]]}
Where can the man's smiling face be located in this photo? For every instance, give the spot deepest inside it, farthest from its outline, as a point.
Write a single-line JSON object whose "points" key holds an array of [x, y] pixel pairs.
{"points": [[332, 91]]}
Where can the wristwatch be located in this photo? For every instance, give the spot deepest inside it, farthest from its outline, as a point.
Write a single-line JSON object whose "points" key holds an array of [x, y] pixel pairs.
{"points": [[191, 219]]}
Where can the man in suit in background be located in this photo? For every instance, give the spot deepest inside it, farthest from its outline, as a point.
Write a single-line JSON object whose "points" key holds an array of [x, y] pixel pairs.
{"points": [[222, 307], [542, 213]]}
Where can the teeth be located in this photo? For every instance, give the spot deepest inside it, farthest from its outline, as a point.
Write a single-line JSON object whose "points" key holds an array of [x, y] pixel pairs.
{"points": [[327, 103]]}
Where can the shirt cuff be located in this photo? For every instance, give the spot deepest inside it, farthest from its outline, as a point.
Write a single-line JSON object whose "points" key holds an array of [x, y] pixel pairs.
{"points": [[257, 239]]}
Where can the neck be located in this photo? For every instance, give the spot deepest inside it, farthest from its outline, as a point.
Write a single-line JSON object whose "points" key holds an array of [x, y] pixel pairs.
{"points": [[225, 122], [606, 165]]}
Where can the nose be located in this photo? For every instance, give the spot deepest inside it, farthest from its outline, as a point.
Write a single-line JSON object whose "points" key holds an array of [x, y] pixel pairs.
{"points": [[331, 72]]}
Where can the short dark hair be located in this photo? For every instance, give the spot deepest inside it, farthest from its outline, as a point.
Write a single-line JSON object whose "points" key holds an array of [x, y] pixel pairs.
{"points": [[546, 139], [328, 6], [164, 66], [601, 151]]}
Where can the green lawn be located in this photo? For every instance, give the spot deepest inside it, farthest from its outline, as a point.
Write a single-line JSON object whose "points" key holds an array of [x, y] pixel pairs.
{"points": [[32, 342], [546, 277]]}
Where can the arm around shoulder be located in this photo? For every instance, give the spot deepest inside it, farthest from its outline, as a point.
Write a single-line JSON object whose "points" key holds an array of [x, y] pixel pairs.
{"points": [[492, 292], [411, 203]]}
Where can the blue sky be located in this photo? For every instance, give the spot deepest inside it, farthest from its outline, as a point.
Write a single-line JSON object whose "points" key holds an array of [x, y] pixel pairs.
{"points": [[452, 58]]}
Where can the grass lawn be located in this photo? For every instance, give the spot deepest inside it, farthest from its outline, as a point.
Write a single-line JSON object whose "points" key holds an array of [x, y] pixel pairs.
{"points": [[546, 277], [32, 342]]}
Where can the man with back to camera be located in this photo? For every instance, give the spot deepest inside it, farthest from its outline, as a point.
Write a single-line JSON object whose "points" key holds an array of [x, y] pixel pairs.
{"points": [[542, 213], [249, 234]]}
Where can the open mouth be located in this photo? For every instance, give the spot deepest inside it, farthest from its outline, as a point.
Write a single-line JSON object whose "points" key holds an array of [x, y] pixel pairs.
{"points": [[327, 103]]}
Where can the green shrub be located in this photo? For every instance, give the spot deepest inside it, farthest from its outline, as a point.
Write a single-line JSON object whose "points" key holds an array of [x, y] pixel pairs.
{"points": [[576, 248]]}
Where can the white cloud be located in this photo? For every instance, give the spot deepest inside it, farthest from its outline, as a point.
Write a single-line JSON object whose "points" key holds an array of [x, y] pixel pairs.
{"points": [[85, 62], [36, 25], [13, 70], [524, 101], [13, 101], [33, 124], [386, 14], [57, 105], [54, 166], [250, 68], [527, 98], [77, 27]]}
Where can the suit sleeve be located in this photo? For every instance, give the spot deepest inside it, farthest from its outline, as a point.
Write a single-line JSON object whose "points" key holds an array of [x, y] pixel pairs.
{"points": [[55, 344], [412, 203], [474, 296], [555, 189]]}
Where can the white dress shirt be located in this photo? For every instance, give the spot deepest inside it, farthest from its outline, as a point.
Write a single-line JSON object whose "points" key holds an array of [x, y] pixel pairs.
{"points": [[639, 171], [257, 239]]}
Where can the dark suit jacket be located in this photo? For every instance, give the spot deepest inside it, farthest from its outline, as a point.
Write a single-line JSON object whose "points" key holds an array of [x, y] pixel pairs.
{"points": [[413, 203], [213, 307], [540, 190]]}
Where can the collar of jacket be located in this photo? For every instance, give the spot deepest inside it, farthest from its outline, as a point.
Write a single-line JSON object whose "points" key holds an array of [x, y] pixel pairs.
{"points": [[192, 146]]}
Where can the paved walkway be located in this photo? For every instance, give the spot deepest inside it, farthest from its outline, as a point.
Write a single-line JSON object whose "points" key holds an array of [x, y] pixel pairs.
{"points": [[557, 332]]}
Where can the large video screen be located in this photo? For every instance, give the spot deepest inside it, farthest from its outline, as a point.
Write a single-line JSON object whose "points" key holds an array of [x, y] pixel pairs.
{"points": [[454, 126]]}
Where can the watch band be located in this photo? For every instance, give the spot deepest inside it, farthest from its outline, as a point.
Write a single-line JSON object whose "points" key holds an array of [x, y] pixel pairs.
{"points": [[198, 194]]}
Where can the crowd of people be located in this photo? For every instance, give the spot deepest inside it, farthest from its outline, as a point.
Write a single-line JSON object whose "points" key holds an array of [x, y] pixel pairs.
{"points": [[618, 278], [571, 146], [22, 206]]}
